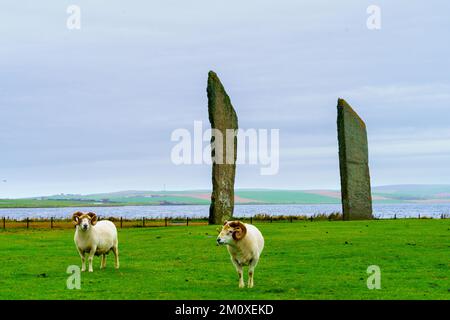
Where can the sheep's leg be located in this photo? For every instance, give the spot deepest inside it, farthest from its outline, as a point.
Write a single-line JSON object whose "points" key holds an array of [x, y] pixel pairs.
{"points": [[91, 258], [116, 256], [83, 260], [240, 273], [83, 263], [251, 272], [103, 263]]}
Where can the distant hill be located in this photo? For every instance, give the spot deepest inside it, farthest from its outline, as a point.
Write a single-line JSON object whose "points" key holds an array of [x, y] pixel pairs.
{"points": [[381, 194], [437, 193]]}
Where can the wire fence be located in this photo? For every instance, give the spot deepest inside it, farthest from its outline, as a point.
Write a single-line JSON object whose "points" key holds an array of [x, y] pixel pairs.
{"points": [[148, 222]]}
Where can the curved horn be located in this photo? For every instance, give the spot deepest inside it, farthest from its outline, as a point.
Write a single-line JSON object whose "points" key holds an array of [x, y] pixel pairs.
{"points": [[239, 230], [93, 218], [76, 216]]}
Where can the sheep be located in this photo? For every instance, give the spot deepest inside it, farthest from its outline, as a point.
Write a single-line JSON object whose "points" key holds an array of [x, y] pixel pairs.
{"points": [[95, 238], [245, 244]]}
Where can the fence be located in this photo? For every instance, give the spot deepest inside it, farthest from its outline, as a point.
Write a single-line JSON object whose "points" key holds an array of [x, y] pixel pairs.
{"points": [[146, 222], [53, 223], [143, 222]]}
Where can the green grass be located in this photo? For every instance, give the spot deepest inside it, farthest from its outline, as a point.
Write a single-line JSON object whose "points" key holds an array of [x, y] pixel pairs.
{"points": [[393, 194], [87, 202], [160, 199], [178, 197], [302, 260], [33, 203], [51, 203], [286, 197]]}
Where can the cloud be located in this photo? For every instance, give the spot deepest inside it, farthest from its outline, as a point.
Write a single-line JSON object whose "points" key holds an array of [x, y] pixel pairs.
{"points": [[93, 110]]}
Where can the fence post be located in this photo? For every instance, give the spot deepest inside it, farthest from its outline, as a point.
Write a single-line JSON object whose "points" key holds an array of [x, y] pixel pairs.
{"points": [[311, 218], [28, 223], [251, 220], [290, 218], [419, 215], [51, 222], [187, 222], [165, 221], [143, 222], [121, 222], [271, 219], [4, 222], [395, 216]]}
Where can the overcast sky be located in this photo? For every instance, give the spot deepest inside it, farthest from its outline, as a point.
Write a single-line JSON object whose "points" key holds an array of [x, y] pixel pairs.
{"points": [[92, 110]]}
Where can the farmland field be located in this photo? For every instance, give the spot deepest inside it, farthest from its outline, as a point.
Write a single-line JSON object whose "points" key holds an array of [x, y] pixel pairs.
{"points": [[302, 260], [381, 195]]}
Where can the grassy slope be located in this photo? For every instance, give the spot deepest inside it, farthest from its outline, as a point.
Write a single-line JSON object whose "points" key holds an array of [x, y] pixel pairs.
{"points": [[285, 197], [270, 197], [32, 203], [394, 194], [301, 261]]}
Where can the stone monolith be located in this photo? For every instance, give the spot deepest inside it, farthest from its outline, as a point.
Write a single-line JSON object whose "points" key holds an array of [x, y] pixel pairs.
{"points": [[224, 123], [354, 164]]}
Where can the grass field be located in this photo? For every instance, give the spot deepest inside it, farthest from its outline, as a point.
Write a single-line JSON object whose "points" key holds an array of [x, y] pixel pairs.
{"points": [[33, 203], [302, 260], [384, 194], [286, 197], [199, 197]]}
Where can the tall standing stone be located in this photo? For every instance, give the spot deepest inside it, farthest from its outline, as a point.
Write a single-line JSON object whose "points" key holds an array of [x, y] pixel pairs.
{"points": [[223, 118], [354, 164]]}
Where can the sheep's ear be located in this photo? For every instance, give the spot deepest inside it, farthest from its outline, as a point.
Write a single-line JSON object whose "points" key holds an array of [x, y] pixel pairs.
{"points": [[225, 222], [93, 218], [76, 217], [239, 231]]}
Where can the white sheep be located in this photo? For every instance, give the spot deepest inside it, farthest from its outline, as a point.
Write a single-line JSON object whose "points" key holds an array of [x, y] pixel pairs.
{"points": [[245, 244], [95, 238]]}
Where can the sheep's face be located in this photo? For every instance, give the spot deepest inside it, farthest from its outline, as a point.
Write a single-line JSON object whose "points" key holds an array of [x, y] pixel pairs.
{"points": [[231, 231], [84, 221]]}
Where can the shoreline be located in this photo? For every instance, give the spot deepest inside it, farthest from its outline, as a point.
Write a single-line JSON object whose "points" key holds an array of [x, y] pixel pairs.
{"points": [[112, 205]]}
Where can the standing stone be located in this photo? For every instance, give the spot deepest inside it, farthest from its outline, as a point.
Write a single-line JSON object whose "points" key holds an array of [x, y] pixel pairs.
{"points": [[222, 117], [354, 164]]}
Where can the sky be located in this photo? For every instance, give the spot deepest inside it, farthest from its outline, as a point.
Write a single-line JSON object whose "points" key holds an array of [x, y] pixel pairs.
{"points": [[93, 109]]}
